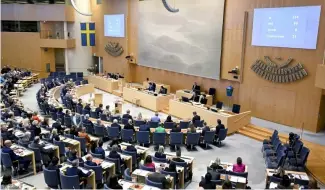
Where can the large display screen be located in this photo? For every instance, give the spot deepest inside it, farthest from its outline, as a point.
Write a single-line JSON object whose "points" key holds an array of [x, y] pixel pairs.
{"points": [[292, 27], [114, 25]]}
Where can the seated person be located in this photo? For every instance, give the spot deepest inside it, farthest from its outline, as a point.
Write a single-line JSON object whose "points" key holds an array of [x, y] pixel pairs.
{"points": [[87, 107], [127, 115], [285, 183], [169, 119], [73, 131], [14, 158], [54, 135], [85, 135], [115, 124], [155, 118], [206, 182], [75, 119], [239, 167], [99, 110], [80, 103], [100, 150], [160, 129], [54, 166], [218, 127], [148, 162], [171, 168], [203, 99], [176, 128], [192, 129], [107, 112], [131, 148], [45, 123], [152, 86], [139, 118], [35, 116], [89, 160], [163, 90], [47, 153], [114, 154], [216, 164], [74, 156], [36, 128], [129, 125], [280, 172], [178, 156], [158, 178], [74, 170], [195, 118], [214, 173], [160, 152], [205, 128], [57, 125], [25, 139], [87, 121]]}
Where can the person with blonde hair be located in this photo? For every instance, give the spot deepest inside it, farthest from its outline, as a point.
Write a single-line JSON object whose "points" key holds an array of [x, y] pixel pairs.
{"points": [[54, 135], [160, 152]]}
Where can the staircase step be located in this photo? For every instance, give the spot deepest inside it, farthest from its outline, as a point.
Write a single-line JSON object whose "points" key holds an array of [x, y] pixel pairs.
{"points": [[251, 135], [265, 133]]}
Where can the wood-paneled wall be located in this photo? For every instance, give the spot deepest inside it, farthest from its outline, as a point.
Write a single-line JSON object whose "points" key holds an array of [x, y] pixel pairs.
{"points": [[291, 104], [22, 50]]}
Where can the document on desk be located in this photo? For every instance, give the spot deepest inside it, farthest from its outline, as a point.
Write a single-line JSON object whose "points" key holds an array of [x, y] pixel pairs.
{"points": [[84, 170], [304, 177]]}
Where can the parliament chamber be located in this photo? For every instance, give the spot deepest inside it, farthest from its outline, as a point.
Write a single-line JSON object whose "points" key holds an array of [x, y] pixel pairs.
{"points": [[170, 94]]}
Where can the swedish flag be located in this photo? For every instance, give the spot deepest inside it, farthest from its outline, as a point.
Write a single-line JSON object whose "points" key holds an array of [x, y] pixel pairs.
{"points": [[87, 34]]}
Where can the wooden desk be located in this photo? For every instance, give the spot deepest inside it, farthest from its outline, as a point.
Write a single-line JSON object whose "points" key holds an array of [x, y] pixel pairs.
{"points": [[140, 149], [52, 146], [84, 89], [184, 92], [141, 176], [158, 86], [71, 143], [91, 179], [227, 165], [103, 83], [295, 174], [126, 158], [24, 152], [106, 165], [185, 110], [149, 101], [135, 186], [180, 171]]}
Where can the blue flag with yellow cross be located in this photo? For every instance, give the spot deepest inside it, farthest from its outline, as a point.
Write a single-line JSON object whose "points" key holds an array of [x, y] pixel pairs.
{"points": [[87, 33]]}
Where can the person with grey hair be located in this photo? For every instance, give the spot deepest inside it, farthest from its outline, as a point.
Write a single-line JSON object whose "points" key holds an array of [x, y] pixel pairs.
{"points": [[129, 125], [14, 157], [115, 124], [178, 156], [26, 138], [160, 152], [114, 154], [47, 153], [74, 170], [89, 160], [127, 115], [87, 122]]}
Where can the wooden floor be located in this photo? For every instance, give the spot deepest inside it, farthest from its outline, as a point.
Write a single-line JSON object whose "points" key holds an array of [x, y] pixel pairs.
{"points": [[316, 158]]}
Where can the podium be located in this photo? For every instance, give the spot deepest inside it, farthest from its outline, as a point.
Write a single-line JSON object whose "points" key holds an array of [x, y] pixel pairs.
{"points": [[118, 107], [98, 99]]}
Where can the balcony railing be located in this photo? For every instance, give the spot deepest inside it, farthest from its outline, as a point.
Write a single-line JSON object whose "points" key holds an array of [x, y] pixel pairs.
{"points": [[33, 1], [55, 34]]}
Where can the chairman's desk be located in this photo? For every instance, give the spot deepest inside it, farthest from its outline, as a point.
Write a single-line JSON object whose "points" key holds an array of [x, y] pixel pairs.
{"points": [[158, 86], [233, 122], [188, 94], [103, 83], [145, 99]]}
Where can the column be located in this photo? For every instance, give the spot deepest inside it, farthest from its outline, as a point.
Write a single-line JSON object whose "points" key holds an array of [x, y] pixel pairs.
{"points": [[66, 60]]}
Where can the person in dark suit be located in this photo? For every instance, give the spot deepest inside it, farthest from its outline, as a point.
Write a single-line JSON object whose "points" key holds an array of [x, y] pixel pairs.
{"points": [[36, 128], [158, 178], [73, 156], [115, 124], [100, 150], [206, 182], [74, 170], [80, 102], [114, 154], [89, 160], [178, 156], [99, 110], [196, 117], [47, 154], [53, 166], [205, 128], [57, 125], [163, 90], [73, 131], [195, 87], [160, 153], [169, 119], [127, 115], [87, 121], [87, 107], [176, 128], [215, 175], [129, 125], [219, 126], [131, 148], [14, 157], [203, 100]]}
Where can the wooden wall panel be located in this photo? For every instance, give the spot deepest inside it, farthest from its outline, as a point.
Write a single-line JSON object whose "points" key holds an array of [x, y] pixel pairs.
{"points": [[321, 123]]}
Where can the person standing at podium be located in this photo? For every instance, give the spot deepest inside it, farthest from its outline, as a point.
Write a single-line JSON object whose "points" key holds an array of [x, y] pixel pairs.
{"points": [[195, 87]]}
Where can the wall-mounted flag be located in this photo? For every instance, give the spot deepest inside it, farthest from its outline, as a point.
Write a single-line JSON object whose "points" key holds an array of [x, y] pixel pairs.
{"points": [[87, 34]]}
